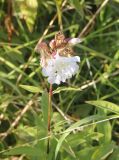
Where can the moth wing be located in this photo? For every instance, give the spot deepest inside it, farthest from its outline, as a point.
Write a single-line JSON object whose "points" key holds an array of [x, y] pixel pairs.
{"points": [[66, 51], [43, 49]]}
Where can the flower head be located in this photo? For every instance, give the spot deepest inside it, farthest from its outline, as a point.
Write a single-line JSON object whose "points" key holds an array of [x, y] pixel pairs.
{"points": [[57, 60], [61, 68]]}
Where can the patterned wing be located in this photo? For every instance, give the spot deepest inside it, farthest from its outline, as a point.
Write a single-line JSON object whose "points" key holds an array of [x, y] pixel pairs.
{"points": [[62, 46], [66, 51], [60, 40], [44, 51]]}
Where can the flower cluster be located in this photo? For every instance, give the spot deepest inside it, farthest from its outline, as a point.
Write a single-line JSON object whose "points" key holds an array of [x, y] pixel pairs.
{"points": [[57, 60], [61, 68]]}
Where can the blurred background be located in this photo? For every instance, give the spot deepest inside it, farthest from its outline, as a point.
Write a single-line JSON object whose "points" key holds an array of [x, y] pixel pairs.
{"points": [[22, 24]]}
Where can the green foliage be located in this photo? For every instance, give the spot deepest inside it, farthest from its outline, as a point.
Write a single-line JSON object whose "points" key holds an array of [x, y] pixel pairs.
{"points": [[105, 105], [27, 150], [103, 151], [44, 107], [32, 89], [85, 109], [26, 9]]}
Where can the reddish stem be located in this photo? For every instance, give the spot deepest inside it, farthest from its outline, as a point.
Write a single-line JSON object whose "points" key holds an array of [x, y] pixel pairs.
{"points": [[49, 115]]}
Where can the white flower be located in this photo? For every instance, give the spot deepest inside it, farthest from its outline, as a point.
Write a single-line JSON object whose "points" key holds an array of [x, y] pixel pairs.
{"points": [[60, 68], [57, 60]]}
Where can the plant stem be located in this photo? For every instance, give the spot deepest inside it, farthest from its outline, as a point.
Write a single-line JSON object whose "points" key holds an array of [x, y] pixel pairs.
{"points": [[93, 18], [49, 115]]}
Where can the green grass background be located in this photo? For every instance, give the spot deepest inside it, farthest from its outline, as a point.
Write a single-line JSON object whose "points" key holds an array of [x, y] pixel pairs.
{"points": [[85, 109]]}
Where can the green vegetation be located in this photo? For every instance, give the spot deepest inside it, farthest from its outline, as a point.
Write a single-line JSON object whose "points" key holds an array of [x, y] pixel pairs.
{"points": [[85, 109]]}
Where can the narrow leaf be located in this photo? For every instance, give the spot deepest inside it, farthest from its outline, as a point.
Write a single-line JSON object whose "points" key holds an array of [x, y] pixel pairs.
{"points": [[105, 128], [60, 89], [103, 151], [86, 153], [44, 106], [27, 150], [59, 12], [32, 89], [105, 105], [68, 131], [8, 82]]}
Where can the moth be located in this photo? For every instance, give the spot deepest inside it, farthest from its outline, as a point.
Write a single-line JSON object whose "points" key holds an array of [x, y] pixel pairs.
{"points": [[59, 45], [63, 45], [44, 51]]}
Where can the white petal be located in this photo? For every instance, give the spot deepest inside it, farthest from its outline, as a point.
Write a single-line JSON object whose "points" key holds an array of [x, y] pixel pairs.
{"points": [[60, 68], [44, 72], [74, 41]]}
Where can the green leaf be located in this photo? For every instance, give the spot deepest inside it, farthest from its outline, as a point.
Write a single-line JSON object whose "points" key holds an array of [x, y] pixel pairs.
{"points": [[79, 6], [105, 128], [115, 154], [8, 82], [94, 52], [116, 1], [60, 89], [44, 106], [81, 137], [103, 151], [59, 12], [105, 105], [80, 124], [86, 153], [32, 89], [27, 150], [53, 143], [28, 9], [83, 122], [70, 129], [60, 143], [11, 65]]}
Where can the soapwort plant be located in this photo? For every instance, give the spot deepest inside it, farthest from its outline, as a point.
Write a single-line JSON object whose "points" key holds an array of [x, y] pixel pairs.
{"points": [[58, 63]]}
